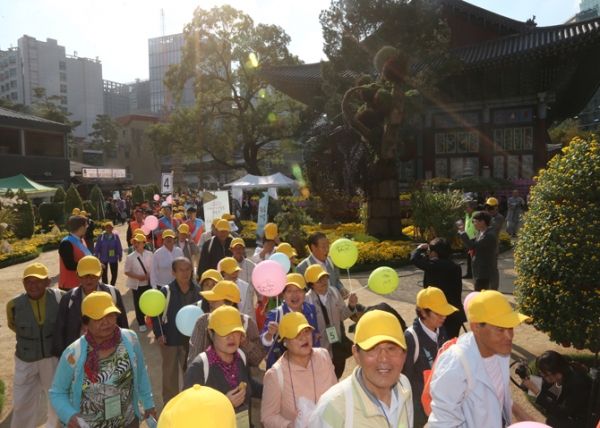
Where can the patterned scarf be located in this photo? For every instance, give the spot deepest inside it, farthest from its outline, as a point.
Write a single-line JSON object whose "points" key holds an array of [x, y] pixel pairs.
{"points": [[230, 370], [92, 364]]}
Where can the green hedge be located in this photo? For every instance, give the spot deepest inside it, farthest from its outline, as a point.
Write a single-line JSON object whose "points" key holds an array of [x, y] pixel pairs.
{"points": [[51, 212], [25, 218]]}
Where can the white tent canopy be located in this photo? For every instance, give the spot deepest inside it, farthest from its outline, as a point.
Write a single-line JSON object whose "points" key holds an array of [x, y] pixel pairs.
{"points": [[253, 181]]}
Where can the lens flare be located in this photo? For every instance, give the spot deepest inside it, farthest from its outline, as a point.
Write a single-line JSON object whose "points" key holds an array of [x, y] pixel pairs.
{"points": [[253, 60]]}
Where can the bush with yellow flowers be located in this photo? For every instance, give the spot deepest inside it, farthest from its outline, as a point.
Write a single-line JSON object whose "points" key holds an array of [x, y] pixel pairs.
{"points": [[558, 254]]}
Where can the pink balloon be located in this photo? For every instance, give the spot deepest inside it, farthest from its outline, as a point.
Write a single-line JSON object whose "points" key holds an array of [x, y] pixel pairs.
{"points": [[530, 425], [269, 278], [151, 222], [146, 230], [468, 299], [169, 199], [156, 197]]}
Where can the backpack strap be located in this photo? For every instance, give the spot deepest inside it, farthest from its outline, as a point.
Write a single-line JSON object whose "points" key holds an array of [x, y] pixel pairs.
{"points": [[205, 367], [113, 293], [463, 360], [57, 294], [413, 333], [210, 244], [349, 406], [164, 316], [245, 322], [242, 355]]}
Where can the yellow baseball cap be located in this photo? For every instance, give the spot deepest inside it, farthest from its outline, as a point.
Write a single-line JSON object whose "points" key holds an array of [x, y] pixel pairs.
{"points": [[229, 265], [75, 211], [138, 232], [377, 326], [178, 216], [215, 221], [434, 299], [98, 304], [270, 231], [223, 290], [314, 273], [139, 238], [168, 234], [237, 241], [89, 265], [183, 228], [492, 202], [227, 216], [291, 324], [109, 223], [223, 225], [183, 410], [491, 307], [83, 213], [286, 249], [37, 270], [295, 279], [213, 274], [225, 320]]}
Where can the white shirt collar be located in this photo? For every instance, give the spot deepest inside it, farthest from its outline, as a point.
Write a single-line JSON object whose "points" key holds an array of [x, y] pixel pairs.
{"points": [[433, 335]]}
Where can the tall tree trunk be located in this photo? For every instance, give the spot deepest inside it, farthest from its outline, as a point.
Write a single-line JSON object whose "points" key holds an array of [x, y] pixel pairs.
{"points": [[383, 210]]}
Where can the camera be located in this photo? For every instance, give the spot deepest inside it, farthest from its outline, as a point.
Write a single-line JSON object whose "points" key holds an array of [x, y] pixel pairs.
{"points": [[459, 223], [522, 369]]}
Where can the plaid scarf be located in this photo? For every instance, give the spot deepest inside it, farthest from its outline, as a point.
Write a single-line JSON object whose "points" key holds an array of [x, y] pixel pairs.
{"points": [[92, 365], [230, 370]]}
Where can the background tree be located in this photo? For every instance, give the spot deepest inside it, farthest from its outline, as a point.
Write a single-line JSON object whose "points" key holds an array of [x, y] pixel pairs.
{"points": [[72, 200], [59, 195], [386, 58], [149, 193], [25, 224], [97, 200], [563, 133], [558, 255], [138, 195], [235, 110], [106, 132], [9, 193]]}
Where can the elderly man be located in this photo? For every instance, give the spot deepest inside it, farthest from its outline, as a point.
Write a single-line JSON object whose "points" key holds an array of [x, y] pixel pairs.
{"points": [[174, 346], [230, 271], [484, 247], [238, 249], [269, 244], [167, 222], [187, 245], [72, 249], [32, 316], [319, 248], [216, 248], [68, 326], [470, 384], [516, 207], [162, 260], [497, 220], [377, 394]]}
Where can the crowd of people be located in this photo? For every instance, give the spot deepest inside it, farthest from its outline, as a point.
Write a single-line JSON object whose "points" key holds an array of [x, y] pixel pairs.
{"points": [[75, 343]]}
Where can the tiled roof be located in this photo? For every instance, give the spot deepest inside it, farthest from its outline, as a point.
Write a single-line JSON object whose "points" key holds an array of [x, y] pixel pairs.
{"points": [[485, 14], [15, 118], [4, 112]]}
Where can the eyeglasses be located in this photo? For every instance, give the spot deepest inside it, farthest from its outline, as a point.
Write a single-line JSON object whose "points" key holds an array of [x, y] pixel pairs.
{"points": [[292, 291], [323, 247], [392, 351]]}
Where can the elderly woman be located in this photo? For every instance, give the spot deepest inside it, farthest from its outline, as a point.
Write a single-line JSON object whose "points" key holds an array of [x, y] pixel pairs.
{"points": [[148, 247], [101, 376], [423, 340], [137, 270], [226, 293], [301, 372], [110, 252], [294, 294], [331, 313], [208, 280], [224, 366]]}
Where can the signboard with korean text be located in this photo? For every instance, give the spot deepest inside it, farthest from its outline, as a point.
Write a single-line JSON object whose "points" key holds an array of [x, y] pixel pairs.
{"points": [[217, 207]]}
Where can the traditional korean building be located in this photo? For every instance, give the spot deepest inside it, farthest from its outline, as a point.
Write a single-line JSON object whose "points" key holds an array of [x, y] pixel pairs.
{"points": [[517, 80]]}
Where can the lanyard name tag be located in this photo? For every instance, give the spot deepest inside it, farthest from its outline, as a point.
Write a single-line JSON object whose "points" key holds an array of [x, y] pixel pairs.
{"points": [[332, 335], [112, 407], [242, 419], [111, 253]]}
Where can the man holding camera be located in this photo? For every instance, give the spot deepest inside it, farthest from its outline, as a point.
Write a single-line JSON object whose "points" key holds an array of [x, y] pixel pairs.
{"points": [[470, 381]]}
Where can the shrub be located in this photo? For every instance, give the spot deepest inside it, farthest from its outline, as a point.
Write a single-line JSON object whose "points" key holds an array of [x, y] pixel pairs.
{"points": [[72, 200], [59, 195], [434, 214], [138, 195], [149, 193], [558, 255], [156, 189], [9, 193], [289, 224], [89, 208], [97, 200], [51, 212], [25, 224], [8, 215]]}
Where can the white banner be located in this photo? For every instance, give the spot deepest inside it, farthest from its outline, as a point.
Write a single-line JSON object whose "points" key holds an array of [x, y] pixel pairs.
{"points": [[263, 216], [216, 208]]}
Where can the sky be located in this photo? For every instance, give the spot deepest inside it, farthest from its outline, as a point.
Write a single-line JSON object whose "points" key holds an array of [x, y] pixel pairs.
{"points": [[117, 31]]}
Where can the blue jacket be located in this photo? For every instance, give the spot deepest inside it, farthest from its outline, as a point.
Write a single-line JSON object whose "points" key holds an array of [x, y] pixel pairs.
{"points": [[174, 304], [105, 244], [65, 393], [308, 310]]}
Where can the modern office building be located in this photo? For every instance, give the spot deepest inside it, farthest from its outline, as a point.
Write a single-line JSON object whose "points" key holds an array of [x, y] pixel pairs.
{"points": [[163, 52], [116, 99], [139, 97], [37, 64]]}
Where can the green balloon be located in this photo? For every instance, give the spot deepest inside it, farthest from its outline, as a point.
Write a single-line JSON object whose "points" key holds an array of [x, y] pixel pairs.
{"points": [[383, 280], [343, 253], [152, 303]]}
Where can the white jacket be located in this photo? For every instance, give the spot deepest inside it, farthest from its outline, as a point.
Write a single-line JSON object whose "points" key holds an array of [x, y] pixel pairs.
{"points": [[481, 408]]}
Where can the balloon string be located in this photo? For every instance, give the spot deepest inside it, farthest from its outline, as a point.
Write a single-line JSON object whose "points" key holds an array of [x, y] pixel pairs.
{"points": [[349, 280], [160, 326]]}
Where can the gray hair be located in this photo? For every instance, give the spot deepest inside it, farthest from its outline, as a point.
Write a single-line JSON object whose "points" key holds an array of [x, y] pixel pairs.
{"points": [[180, 260]]}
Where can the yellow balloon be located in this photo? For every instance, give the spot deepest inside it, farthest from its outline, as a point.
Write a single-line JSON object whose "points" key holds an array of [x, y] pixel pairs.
{"points": [[383, 280], [343, 253]]}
